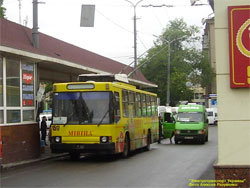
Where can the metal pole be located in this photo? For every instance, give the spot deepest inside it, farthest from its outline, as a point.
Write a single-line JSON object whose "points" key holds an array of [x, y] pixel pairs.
{"points": [[20, 19], [135, 33], [135, 42], [35, 36], [169, 53], [168, 88]]}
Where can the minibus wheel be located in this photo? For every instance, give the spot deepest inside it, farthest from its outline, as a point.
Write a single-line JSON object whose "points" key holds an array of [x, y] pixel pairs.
{"points": [[202, 140], [176, 141]]}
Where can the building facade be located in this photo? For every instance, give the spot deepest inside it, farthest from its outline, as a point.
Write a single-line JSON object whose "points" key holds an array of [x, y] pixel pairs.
{"points": [[232, 23]]}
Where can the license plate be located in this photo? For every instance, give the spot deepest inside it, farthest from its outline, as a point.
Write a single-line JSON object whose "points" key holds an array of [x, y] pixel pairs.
{"points": [[79, 146], [189, 137]]}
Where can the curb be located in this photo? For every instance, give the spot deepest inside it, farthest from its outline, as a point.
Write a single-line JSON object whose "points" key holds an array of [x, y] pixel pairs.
{"points": [[17, 164]]}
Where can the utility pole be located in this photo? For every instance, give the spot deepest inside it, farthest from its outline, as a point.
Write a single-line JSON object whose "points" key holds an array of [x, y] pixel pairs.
{"points": [[20, 5], [135, 33], [169, 67], [35, 34], [169, 53]]}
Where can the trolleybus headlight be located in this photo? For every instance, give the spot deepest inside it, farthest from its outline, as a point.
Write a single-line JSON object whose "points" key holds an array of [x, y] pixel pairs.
{"points": [[104, 139], [57, 139]]}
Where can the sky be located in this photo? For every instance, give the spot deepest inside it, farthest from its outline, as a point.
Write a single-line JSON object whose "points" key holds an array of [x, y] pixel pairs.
{"points": [[112, 35]]}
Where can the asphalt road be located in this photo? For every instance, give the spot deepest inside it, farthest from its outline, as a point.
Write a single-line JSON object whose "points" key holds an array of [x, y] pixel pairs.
{"points": [[165, 165]]}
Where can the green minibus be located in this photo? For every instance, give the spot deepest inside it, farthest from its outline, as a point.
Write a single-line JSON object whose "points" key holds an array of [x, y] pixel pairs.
{"points": [[191, 124]]}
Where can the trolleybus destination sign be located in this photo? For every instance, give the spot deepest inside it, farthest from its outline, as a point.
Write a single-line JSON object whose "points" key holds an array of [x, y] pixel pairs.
{"points": [[239, 46]]}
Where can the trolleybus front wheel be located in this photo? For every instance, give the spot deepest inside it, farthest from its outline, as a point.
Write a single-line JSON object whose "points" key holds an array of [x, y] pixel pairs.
{"points": [[74, 155]]}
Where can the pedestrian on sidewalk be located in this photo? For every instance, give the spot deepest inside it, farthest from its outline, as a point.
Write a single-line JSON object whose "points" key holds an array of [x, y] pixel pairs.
{"points": [[44, 129]]}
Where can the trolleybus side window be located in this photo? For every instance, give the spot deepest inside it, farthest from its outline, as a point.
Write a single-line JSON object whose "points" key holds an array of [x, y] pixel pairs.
{"points": [[153, 103], [144, 105], [117, 111], [149, 109], [125, 103], [132, 102], [138, 105]]}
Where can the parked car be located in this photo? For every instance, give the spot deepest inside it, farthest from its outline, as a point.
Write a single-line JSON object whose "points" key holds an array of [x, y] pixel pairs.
{"points": [[212, 116]]}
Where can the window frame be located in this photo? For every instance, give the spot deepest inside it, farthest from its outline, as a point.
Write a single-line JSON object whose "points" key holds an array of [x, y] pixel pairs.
{"points": [[117, 106], [20, 108], [144, 105], [125, 111], [138, 105], [131, 101]]}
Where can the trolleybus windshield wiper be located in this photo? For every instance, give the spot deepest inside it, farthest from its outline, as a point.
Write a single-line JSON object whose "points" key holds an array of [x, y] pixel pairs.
{"points": [[103, 118]]}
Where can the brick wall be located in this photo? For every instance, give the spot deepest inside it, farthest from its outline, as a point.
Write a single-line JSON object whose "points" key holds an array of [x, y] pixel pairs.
{"points": [[236, 175], [20, 142]]}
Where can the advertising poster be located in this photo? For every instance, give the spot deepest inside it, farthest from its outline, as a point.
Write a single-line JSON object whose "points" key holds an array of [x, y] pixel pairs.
{"points": [[239, 46], [28, 84]]}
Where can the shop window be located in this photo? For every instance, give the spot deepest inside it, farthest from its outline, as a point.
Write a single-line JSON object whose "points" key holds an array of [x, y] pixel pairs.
{"points": [[17, 91], [13, 116], [1, 82], [12, 82], [28, 115]]}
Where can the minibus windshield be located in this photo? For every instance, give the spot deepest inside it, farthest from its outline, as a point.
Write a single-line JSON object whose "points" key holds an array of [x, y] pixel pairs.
{"points": [[79, 108], [190, 117]]}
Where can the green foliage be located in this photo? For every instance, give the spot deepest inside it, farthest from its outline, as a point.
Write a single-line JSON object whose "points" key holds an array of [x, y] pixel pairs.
{"points": [[2, 9], [179, 91], [49, 87], [188, 64]]}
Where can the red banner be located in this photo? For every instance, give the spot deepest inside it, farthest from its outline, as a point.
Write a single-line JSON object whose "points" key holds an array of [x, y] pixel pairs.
{"points": [[239, 46]]}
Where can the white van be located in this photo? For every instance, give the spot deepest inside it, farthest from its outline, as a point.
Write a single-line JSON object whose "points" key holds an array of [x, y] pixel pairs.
{"points": [[161, 110], [212, 116]]}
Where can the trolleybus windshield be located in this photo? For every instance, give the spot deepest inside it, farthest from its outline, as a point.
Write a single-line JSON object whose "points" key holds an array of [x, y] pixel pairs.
{"points": [[79, 108]]}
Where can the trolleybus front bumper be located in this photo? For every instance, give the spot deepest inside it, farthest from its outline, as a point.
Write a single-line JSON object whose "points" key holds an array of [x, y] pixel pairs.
{"points": [[83, 148]]}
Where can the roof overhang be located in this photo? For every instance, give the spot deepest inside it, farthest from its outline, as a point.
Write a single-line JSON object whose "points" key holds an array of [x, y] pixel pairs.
{"points": [[63, 64]]}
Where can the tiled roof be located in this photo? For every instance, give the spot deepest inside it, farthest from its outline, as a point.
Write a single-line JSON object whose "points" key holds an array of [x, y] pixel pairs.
{"points": [[19, 37]]}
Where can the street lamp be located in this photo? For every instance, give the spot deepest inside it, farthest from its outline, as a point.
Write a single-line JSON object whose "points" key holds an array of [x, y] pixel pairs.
{"points": [[169, 53], [135, 44]]}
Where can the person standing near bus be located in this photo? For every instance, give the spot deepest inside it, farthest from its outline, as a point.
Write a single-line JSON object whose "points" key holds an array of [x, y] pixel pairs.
{"points": [[44, 129], [160, 129]]}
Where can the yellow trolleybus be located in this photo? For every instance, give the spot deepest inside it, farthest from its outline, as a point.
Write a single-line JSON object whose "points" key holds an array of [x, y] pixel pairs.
{"points": [[102, 116]]}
